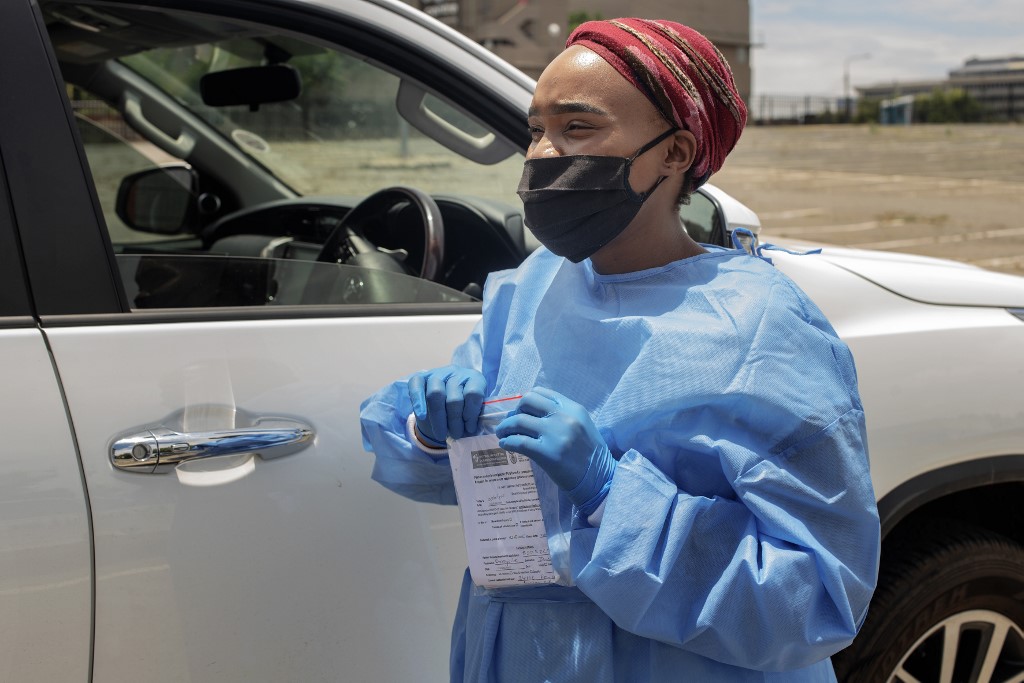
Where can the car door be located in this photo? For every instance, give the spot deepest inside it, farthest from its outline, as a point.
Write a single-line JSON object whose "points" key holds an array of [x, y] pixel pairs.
{"points": [[45, 556], [244, 567]]}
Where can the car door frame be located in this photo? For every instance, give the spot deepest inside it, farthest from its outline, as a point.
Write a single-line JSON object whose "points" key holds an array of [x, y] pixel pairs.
{"points": [[57, 591], [67, 253], [15, 303]]}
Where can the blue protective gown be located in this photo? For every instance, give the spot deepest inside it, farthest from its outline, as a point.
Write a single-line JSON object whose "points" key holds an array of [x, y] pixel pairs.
{"points": [[739, 539]]}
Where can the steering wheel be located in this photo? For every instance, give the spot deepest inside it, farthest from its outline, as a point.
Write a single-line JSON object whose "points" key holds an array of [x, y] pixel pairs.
{"points": [[349, 245]]}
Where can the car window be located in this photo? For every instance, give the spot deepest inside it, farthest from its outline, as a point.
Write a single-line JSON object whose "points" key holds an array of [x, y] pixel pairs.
{"points": [[342, 135], [174, 281], [191, 161], [114, 150], [700, 217]]}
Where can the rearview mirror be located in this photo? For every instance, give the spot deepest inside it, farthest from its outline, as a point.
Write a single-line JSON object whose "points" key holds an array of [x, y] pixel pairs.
{"points": [[159, 200], [251, 85]]}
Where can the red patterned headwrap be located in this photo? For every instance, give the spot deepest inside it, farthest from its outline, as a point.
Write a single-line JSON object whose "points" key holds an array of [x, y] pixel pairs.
{"points": [[681, 73]]}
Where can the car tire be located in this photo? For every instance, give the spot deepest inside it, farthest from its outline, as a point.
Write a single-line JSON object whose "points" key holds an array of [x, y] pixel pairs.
{"points": [[958, 587]]}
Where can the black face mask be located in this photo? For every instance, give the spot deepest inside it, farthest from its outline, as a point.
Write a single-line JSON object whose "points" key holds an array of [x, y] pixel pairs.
{"points": [[577, 204]]}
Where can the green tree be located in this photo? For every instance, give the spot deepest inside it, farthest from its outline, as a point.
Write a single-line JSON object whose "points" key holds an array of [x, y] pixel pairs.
{"points": [[868, 110], [946, 106], [344, 97], [965, 108]]}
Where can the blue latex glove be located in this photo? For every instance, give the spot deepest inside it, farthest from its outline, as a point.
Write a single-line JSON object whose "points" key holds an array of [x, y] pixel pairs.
{"points": [[559, 435], [447, 402]]}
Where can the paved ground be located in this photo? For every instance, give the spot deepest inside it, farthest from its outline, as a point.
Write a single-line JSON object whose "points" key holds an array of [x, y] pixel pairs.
{"points": [[950, 191]]}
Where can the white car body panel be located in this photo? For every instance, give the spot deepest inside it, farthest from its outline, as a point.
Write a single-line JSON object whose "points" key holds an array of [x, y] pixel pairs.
{"points": [[934, 281], [907, 413], [736, 214], [305, 552], [45, 564], [922, 278]]}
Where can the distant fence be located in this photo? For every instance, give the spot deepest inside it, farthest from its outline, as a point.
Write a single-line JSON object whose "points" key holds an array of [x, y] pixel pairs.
{"points": [[788, 109]]}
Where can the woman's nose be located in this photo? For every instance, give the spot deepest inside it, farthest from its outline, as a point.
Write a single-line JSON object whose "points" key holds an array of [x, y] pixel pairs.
{"points": [[543, 148]]}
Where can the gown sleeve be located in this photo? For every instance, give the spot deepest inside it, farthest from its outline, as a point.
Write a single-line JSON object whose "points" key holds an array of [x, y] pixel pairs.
{"points": [[778, 574], [401, 466]]}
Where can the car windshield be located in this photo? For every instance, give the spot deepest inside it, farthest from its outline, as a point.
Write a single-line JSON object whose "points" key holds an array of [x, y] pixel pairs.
{"points": [[343, 135]]}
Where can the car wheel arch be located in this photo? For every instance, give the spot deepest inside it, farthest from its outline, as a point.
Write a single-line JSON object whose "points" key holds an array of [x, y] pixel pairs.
{"points": [[982, 489]]}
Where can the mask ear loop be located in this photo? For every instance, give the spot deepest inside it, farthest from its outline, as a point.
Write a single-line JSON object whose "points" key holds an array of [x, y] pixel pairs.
{"points": [[641, 197], [651, 144]]}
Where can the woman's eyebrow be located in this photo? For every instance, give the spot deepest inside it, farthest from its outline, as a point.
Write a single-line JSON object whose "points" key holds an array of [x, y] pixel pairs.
{"points": [[567, 108]]}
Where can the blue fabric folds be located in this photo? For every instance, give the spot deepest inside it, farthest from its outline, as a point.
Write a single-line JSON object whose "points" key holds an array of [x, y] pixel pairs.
{"points": [[740, 538]]}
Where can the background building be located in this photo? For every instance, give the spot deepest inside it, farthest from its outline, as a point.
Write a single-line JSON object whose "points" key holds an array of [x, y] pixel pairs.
{"points": [[997, 83], [529, 33]]}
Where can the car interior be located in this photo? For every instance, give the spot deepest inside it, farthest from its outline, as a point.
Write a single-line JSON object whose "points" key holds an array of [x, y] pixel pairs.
{"points": [[238, 165]]}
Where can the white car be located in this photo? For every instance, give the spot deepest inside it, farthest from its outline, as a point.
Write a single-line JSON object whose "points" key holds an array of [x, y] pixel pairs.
{"points": [[204, 273]]}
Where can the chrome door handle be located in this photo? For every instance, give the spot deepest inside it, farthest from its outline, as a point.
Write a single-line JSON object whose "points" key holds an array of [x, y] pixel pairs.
{"points": [[160, 448]]}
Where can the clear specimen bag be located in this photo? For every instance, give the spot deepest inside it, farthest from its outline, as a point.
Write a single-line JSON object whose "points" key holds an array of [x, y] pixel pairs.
{"points": [[510, 510]]}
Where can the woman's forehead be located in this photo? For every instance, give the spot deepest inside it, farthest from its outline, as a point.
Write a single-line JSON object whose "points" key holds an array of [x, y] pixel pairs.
{"points": [[578, 80]]}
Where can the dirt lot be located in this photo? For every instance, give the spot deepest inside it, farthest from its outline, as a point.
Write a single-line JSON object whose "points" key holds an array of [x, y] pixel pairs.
{"points": [[950, 191]]}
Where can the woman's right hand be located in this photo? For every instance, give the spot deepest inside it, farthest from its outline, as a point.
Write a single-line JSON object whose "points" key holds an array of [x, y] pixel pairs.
{"points": [[447, 402]]}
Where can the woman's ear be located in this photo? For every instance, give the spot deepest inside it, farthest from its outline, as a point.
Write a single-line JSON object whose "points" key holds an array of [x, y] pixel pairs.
{"points": [[681, 153]]}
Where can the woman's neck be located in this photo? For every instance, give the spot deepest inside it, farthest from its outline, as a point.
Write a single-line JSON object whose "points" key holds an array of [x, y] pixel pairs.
{"points": [[644, 245]]}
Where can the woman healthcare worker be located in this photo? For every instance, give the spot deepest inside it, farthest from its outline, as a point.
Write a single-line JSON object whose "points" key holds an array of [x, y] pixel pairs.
{"points": [[696, 411]]}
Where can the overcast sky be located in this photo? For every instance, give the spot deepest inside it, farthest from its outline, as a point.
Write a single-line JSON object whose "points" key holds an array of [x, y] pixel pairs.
{"points": [[806, 42]]}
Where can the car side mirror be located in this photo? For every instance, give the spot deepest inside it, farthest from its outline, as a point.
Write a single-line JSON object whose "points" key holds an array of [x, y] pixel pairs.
{"points": [[160, 200]]}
